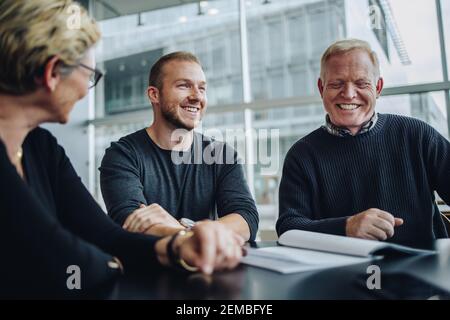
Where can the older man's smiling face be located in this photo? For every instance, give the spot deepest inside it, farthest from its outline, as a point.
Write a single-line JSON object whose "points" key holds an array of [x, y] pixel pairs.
{"points": [[350, 88]]}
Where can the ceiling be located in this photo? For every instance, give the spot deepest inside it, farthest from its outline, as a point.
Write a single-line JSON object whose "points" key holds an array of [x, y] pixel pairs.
{"points": [[106, 9]]}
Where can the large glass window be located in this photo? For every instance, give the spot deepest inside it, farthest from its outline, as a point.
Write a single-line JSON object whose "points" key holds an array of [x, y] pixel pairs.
{"points": [[404, 34], [131, 44], [445, 6], [428, 107], [299, 31]]}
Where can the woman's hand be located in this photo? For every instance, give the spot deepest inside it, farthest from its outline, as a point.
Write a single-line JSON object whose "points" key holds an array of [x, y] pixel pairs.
{"points": [[210, 246]]}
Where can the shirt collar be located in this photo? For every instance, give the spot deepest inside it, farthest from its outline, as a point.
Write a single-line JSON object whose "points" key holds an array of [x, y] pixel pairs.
{"points": [[344, 132]]}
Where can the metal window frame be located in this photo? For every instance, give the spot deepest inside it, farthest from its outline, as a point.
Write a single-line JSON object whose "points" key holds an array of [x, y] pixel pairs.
{"points": [[440, 21]]}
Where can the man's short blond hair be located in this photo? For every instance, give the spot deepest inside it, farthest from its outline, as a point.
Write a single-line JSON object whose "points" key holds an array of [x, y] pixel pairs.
{"points": [[155, 78], [32, 32], [347, 45]]}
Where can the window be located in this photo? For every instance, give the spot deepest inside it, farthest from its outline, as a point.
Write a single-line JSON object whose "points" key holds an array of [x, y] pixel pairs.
{"points": [[429, 107]]}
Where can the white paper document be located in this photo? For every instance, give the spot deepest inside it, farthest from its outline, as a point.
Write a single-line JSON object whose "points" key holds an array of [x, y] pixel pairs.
{"points": [[344, 245], [306, 251], [290, 260]]}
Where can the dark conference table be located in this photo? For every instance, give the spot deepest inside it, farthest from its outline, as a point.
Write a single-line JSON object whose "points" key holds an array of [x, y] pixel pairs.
{"points": [[419, 277]]}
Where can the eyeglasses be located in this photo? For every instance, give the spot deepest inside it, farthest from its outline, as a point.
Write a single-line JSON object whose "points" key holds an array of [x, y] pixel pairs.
{"points": [[95, 76]]}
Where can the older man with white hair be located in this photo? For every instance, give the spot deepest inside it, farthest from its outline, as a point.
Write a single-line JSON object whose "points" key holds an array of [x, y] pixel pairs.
{"points": [[364, 174]]}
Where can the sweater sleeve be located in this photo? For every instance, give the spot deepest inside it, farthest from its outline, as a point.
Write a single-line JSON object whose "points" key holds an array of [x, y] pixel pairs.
{"points": [[233, 194], [36, 250], [120, 182], [296, 198]]}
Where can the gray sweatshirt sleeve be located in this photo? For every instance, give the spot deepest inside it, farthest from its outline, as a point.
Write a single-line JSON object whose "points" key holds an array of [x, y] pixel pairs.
{"points": [[233, 194], [120, 181]]}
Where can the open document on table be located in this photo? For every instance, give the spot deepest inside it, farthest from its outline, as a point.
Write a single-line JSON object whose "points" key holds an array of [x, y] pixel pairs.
{"points": [[306, 251]]}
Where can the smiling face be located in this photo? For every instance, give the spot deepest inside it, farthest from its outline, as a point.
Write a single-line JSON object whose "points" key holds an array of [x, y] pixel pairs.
{"points": [[349, 89], [182, 99]]}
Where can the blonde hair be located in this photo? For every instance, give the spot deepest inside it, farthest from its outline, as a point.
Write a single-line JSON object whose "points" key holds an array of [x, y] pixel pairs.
{"points": [[347, 45], [32, 32]]}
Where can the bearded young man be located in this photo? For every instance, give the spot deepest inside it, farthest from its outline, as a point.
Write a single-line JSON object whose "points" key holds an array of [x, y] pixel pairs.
{"points": [[158, 180]]}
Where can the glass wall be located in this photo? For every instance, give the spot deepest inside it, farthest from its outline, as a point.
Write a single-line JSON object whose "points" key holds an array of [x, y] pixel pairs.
{"points": [[131, 44], [411, 54], [285, 41]]}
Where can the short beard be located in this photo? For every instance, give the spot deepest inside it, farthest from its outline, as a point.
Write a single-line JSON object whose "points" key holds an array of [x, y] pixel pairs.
{"points": [[170, 115]]}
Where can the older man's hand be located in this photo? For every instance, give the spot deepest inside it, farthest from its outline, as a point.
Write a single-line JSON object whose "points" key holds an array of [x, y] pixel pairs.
{"points": [[372, 224]]}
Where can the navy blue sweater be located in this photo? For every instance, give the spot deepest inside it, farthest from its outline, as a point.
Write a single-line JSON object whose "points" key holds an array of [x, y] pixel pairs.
{"points": [[395, 167]]}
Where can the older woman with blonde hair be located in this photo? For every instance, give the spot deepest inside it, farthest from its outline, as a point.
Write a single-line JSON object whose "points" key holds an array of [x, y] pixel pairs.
{"points": [[50, 223]]}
